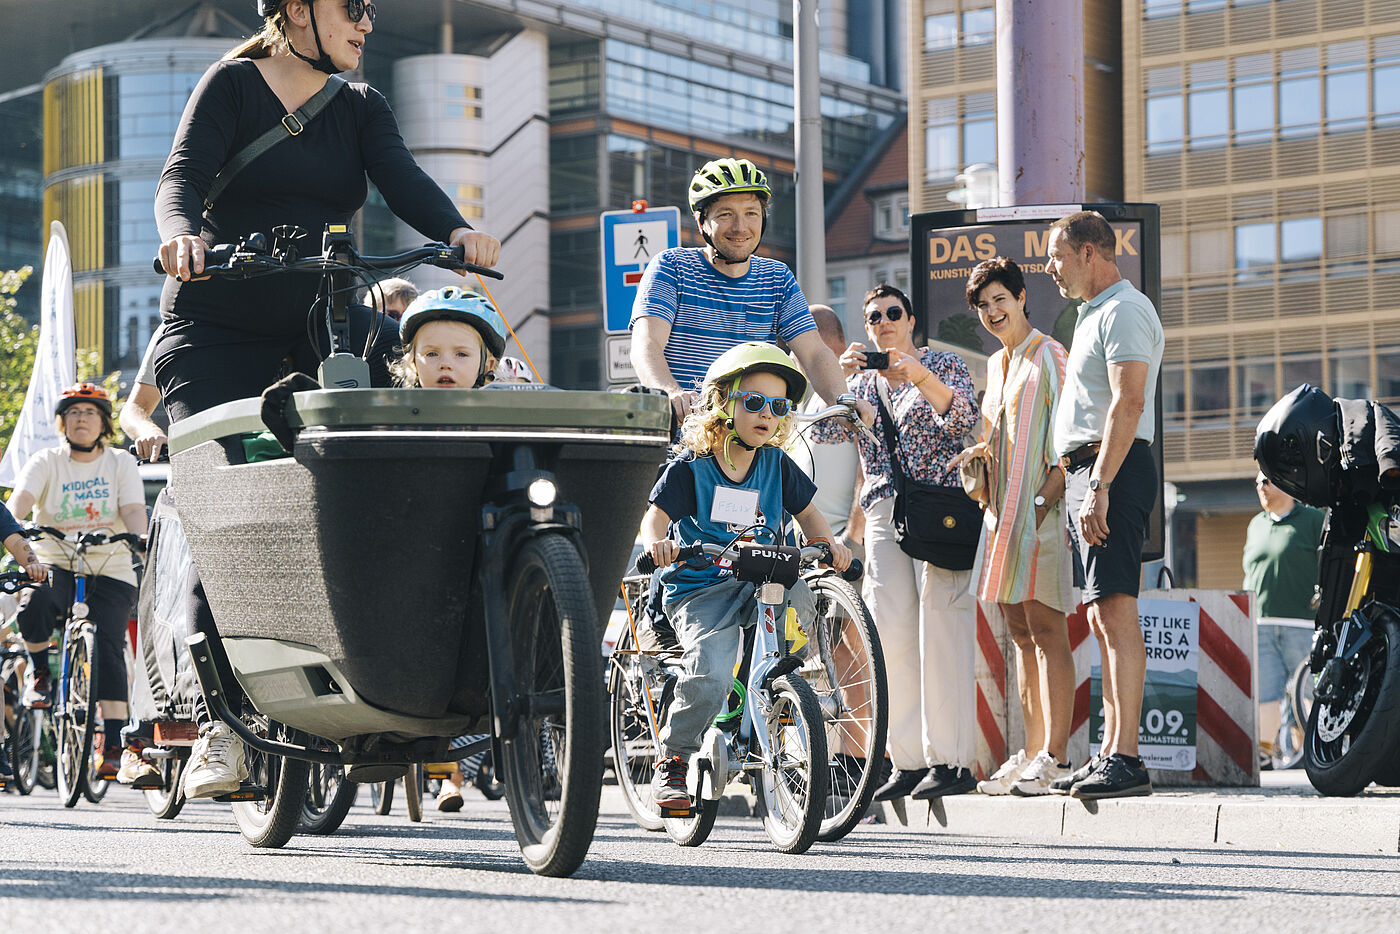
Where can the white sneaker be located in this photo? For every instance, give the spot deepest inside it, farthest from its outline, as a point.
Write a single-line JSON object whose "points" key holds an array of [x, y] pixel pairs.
{"points": [[216, 765], [1002, 779], [1036, 779]]}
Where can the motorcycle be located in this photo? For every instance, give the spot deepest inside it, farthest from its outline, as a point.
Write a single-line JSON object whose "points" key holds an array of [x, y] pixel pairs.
{"points": [[1344, 455]]}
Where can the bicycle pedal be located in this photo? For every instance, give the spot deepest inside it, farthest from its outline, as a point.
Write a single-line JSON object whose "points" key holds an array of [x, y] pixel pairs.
{"points": [[245, 793], [677, 812]]}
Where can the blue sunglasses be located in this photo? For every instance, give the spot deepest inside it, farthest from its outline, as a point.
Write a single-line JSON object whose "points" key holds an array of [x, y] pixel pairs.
{"points": [[755, 401]]}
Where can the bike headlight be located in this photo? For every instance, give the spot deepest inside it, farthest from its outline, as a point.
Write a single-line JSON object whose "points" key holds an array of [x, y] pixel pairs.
{"points": [[541, 492]]}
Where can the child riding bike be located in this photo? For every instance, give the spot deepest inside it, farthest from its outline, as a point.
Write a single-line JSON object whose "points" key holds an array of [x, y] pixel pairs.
{"points": [[731, 477]]}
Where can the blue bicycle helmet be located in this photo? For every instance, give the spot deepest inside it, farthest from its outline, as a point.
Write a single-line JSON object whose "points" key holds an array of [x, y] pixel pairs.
{"points": [[454, 304]]}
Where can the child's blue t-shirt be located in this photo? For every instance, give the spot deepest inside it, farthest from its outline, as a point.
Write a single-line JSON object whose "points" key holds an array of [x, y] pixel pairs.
{"points": [[704, 504]]}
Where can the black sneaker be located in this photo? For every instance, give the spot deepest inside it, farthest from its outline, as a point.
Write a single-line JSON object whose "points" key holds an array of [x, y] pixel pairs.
{"points": [[1115, 777], [944, 781], [1063, 786], [900, 784], [668, 787]]}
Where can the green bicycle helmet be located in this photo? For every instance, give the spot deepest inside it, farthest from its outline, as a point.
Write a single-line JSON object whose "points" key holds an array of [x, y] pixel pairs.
{"points": [[726, 177], [454, 304], [757, 357]]}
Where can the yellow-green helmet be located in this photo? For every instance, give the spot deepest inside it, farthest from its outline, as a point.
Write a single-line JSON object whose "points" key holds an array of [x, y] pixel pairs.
{"points": [[727, 177], [757, 357]]}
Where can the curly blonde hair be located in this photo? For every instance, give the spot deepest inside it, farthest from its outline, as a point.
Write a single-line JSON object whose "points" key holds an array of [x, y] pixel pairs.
{"points": [[705, 431]]}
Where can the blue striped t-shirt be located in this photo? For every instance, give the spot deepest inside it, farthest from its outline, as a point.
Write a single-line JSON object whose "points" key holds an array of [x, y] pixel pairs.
{"points": [[709, 312]]}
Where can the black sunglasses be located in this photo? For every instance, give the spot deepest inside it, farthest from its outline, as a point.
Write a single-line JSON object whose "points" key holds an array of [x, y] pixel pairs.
{"points": [[876, 316], [356, 10], [755, 401]]}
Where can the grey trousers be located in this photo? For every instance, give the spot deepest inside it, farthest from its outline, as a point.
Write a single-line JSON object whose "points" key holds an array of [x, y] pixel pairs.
{"points": [[709, 624]]}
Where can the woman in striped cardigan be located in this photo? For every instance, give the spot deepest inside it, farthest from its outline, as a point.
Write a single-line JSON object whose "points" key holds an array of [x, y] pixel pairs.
{"points": [[1025, 551]]}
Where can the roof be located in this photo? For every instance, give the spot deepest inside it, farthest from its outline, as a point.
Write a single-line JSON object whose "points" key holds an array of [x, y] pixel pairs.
{"points": [[850, 229]]}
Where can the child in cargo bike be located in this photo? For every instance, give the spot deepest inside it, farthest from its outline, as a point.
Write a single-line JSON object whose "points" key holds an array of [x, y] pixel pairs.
{"points": [[732, 475]]}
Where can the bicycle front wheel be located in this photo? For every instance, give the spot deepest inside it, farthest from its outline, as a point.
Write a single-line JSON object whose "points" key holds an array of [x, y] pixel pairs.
{"points": [[552, 768], [24, 749], [76, 717], [792, 787], [413, 792], [167, 801], [273, 820], [847, 672], [329, 798]]}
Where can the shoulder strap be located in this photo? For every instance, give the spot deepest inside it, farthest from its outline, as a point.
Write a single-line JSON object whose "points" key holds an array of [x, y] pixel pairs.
{"points": [[891, 439], [290, 125]]}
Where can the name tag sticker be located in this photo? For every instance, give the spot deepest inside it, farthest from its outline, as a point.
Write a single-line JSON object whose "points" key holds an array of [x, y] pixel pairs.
{"points": [[734, 507]]}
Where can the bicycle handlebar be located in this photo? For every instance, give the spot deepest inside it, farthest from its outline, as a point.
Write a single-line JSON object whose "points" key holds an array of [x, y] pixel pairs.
{"points": [[841, 410], [15, 581], [86, 540], [227, 260], [810, 555]]}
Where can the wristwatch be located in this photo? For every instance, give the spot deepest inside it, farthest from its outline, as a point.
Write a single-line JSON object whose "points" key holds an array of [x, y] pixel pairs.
{"points": [[1096, 484], [1039, 501]]}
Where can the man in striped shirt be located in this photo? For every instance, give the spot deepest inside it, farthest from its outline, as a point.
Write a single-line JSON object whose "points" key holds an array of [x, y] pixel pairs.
{"points": [[694, 304]]}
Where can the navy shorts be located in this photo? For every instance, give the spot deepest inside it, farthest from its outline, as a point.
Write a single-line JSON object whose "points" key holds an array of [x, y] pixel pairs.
{"points": [[1116, 565]]}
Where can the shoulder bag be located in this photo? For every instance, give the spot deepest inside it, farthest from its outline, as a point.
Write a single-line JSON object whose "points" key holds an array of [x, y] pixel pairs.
{"points": [[937, 524]]}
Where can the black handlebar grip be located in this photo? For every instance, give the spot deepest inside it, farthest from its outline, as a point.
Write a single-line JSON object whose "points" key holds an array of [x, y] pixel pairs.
{"points": [[854, 572], [644, 564], [213, 256]]}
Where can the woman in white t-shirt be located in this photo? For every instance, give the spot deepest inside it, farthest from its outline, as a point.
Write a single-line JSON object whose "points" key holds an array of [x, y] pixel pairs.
{"points": [[80, 486]]}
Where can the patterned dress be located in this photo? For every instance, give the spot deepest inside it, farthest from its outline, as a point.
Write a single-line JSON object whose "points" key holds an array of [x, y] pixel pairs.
{"points": [[1021, 562]]}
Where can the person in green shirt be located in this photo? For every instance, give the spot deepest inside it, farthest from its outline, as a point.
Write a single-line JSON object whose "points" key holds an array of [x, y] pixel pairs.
{"points": [[1280, 566]]}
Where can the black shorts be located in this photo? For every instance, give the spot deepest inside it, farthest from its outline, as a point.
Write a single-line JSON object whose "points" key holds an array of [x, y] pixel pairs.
{"points": [[1116, 565]]}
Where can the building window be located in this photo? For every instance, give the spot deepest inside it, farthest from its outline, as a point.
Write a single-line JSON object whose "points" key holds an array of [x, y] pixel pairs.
{"points": [[1210, 390], [941, 31], [979, 27], [1256, 249], [1299, 368], [958, 133], [1388, 374], [1301, 240], [1208, 107], [1166, 122], [891, 215], [463, 101], [1173, 393], [1255, 389], [1346, 98], [1299, 105], [1385, 93], [1254, 111], [1349, 373], [836, 295]]}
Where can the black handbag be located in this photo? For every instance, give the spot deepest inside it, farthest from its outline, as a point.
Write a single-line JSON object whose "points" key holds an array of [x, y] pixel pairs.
{"points": [[937, 524]]}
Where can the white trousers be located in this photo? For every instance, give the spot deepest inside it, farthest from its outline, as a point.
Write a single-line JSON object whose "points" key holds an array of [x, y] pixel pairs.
{"points": [[927, 620]]}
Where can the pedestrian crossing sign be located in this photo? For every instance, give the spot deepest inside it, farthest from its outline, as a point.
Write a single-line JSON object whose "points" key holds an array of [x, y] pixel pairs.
{"points": [[630, 240]]}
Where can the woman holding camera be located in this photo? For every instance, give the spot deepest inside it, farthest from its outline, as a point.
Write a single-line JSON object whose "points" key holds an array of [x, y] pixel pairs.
{"points": [[925, 614]]}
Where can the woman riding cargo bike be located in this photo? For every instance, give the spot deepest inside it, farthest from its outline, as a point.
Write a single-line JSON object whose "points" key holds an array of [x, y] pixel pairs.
{"points": [[493, 606]]}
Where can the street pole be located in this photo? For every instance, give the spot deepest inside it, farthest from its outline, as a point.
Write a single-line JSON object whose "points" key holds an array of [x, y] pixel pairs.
{"points": [[1040, 101], [811, 213]]}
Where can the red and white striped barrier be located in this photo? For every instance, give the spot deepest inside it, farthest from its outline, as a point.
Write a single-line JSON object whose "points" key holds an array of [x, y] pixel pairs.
{"points": [[1227, 683]]}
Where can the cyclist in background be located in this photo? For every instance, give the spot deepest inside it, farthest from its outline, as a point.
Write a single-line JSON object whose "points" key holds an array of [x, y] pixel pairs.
{"points": [[732, 475], [81, 486], [694, 304], [391, 296]]}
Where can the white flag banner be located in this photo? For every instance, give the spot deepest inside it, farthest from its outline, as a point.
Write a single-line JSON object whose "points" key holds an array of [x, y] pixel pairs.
{"points": [[53, 362]]}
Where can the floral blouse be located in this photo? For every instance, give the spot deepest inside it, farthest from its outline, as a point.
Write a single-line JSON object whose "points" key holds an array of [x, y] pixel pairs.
{"points": [[927, 440]]}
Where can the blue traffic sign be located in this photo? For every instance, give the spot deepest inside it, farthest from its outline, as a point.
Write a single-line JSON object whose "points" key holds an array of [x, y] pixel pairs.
{"points": [[630, 240]]}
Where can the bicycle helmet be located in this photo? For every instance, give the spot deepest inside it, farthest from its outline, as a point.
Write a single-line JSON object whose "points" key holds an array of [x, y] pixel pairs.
{"points": [[1298, 445], [726, 177], [84, 392], [455, 304], [757, 357]]}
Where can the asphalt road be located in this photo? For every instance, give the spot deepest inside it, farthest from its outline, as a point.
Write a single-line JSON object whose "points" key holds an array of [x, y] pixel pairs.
{"points": [[112, 866]]}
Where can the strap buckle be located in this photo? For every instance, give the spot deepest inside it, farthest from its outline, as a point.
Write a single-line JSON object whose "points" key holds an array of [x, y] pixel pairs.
{"points": [[292, 124]]}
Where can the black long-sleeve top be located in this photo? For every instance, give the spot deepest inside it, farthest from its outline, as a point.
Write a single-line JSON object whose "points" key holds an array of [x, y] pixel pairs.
{"points": [[315, 178]]}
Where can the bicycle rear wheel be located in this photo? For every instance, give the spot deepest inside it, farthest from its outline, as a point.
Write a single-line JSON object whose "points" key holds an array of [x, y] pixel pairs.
{"points": [[166, 801], [329, 798], [847, 672], [75, 720], [381, 796], [792, 788], [552, 768], [633, 751], [273, 820], [413, 792]]}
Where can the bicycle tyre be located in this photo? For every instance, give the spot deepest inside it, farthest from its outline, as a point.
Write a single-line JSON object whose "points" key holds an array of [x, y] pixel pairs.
{"points": [[555, 632], [413, 792], [1345, 749], [381, 796], [271, 822], [47, 775], [24, 750], [1297, 701], [329, 798], [76, 721], [168, 800], [863, 726], [695, 829], [793, 808], [633, 754], [486, 781]]}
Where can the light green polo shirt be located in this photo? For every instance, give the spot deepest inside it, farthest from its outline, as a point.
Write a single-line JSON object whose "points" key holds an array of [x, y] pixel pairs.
{"points": [[1116, 326]]}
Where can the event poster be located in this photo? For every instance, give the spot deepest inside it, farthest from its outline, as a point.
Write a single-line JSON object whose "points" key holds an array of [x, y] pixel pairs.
{"points": [[1167, 730]]}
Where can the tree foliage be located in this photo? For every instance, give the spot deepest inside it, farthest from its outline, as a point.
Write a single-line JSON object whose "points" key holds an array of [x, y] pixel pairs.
{"points": [[18, 341]]}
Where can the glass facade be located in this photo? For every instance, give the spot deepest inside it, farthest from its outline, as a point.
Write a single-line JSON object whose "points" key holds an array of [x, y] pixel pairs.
{"points": [[21, 194]]}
